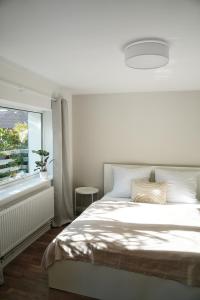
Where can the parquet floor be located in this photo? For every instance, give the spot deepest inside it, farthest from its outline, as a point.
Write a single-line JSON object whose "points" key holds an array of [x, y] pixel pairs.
{"points": [[24, 278]]}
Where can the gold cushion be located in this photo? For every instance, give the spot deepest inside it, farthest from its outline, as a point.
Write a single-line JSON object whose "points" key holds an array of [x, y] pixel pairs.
{"points": [[149, 192]]}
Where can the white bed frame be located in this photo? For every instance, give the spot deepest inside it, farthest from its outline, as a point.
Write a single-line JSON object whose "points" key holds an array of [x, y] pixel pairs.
{"points": [[106, 283]]}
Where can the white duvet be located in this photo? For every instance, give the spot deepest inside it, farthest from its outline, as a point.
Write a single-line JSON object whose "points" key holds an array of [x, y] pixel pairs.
{"points": [[153, 239]]}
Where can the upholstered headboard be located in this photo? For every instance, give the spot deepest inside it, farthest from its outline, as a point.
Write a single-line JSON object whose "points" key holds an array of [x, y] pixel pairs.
{"points": [[108, 173]]}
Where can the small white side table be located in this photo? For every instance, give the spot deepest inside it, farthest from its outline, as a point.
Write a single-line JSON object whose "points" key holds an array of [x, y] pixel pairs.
{"points": [[85, 190]]}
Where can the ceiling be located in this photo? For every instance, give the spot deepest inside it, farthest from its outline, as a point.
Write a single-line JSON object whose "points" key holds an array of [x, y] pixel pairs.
{"points": [[78, 43]]}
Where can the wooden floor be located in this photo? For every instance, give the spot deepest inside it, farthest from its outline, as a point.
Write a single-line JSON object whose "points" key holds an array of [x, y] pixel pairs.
{"points": [[24, 278]]}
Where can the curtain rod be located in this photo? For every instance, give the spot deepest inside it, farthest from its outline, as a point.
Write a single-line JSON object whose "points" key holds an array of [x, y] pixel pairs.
{"points": [[21, 89]]}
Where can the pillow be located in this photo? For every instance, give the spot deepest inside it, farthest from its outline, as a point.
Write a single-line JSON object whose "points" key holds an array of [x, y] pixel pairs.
{"points": [[182, 185], [149, 192], [122, 178]]}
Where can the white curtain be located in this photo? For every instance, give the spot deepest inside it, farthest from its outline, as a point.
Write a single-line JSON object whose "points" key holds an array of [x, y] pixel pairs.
{"points": [[61, 165]]}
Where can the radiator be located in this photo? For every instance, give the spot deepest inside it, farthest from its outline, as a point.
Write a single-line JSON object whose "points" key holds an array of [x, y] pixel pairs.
{"points": [[21, 220]]}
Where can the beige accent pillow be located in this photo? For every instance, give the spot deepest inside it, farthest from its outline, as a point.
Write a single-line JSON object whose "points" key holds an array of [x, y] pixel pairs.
{"points": [[149, 192]]}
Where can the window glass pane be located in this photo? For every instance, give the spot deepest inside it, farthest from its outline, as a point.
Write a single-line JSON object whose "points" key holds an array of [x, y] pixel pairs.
{"points": [[20, 133]]}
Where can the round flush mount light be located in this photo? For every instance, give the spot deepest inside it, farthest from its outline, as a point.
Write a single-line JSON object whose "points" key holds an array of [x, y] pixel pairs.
{"points": [[147, 54]]}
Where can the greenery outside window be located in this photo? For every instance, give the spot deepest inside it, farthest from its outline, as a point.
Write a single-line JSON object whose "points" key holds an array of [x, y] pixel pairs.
{"points": [[20, 133]]}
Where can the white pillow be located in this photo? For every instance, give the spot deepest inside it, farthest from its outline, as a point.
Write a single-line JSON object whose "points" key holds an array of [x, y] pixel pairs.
{"points": [[122, 178], [182, 185]]}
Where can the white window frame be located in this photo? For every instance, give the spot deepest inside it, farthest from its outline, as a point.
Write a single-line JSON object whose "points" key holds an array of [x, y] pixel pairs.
{"points": [[13, 180]]}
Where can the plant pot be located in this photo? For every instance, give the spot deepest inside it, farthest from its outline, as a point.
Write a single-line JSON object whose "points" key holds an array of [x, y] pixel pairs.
{"points": [[44, 175]]}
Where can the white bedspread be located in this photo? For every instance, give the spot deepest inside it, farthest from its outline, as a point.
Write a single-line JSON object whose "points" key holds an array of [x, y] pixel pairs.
{"points": [[153, 239]]}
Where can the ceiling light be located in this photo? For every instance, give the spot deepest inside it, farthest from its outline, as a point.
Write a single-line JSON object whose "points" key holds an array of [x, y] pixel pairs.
{"points": [[147, 54]]}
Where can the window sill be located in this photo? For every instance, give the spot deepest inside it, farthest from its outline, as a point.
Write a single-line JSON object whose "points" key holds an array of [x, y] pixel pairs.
{"points": [[20, 189]]}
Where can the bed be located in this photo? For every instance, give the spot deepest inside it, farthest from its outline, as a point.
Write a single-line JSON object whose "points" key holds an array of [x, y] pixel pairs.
{"points": [[118, 249]]}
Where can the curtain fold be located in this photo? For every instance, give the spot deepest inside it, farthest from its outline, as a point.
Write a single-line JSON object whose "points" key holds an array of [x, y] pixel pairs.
{"points": [[62, 177]]}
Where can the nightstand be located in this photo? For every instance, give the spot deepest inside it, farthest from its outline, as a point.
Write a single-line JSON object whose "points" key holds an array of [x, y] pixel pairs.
{"points": [[85, 190]]}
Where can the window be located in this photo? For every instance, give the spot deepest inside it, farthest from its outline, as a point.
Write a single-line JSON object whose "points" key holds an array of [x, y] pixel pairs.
{"points": [[20, 133]]}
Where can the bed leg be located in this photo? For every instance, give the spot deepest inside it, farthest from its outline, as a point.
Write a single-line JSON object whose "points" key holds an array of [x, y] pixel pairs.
{"points": [[1, 276]]}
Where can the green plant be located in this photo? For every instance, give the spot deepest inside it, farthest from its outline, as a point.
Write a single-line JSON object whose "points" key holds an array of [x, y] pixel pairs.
{"points": [[42, 163], [3, 175], [14, 138], [9, 139]]}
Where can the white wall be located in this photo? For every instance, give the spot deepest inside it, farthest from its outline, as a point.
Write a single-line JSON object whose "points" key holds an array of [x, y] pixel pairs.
{"points": [[22, 88], [154, 128]]}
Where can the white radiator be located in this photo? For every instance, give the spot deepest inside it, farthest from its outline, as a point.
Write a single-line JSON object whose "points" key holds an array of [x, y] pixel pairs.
{"points": [[21, 220]]}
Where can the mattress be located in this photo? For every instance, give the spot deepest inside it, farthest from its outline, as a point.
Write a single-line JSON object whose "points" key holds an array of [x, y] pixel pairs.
{"points": [[151, 239]]}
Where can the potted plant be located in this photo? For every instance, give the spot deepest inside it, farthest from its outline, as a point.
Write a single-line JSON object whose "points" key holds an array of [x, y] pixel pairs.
{"points": [[41, 164]]}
